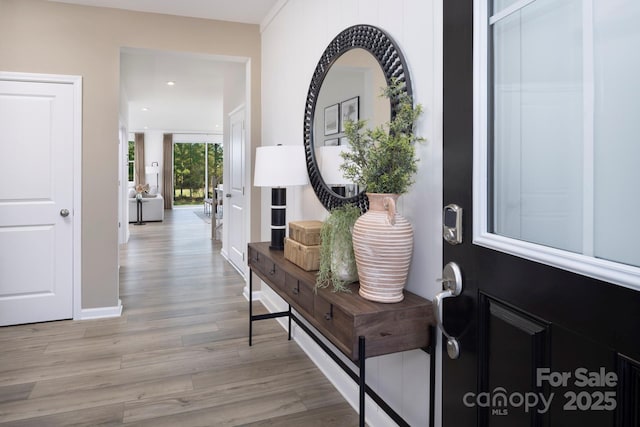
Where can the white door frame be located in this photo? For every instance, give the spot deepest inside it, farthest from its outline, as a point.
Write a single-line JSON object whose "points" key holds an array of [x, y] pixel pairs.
{"points": [[123, 178], [76, 82]]}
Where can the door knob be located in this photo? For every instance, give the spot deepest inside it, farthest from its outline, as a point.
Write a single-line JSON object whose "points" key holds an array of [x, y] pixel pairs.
{"points": [[228, 195], [452, 287], [64, 213]]}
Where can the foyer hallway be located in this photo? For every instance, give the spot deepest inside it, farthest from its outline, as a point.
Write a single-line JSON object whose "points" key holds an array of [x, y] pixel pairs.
{"points": [[178, 356]]}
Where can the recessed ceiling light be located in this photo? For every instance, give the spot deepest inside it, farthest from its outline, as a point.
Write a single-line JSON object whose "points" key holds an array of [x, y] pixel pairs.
{"points": [[171, 83], [146, 127], [145, 109]]}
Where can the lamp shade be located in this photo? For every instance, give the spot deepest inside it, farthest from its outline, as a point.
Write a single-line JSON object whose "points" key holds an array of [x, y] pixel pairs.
{"points": [[152, 169], [280, 166], [330, 161]]}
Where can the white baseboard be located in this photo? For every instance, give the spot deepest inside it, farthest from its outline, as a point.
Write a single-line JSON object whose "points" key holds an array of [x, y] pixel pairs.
{"points": [[374, 415], [225, 255], [100, 312], [257, 295], [273, 306]]}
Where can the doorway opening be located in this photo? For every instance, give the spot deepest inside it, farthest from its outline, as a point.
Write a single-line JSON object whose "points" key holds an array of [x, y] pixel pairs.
{"points": [[191, 114]]}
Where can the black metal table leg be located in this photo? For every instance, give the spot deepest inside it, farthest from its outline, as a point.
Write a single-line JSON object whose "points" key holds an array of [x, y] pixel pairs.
{"points": [[359, 379], [139, 212], [362, 385], [253, 318], [250, 306], [289, 322]]}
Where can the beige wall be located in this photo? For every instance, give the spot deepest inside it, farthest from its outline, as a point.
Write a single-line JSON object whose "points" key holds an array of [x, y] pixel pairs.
{"points": [[53, 38]]}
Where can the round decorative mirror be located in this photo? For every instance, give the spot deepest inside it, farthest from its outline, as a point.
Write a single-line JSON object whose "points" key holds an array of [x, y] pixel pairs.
{"points": [[346, 85]]}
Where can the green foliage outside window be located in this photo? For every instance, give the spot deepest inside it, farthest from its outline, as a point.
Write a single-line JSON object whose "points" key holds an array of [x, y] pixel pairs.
{"points": [[215, 167], [190, 179], [132, 151]]}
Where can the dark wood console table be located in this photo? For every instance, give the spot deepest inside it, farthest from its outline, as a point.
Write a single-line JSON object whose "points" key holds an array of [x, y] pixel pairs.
{"points": [[357, 327]]}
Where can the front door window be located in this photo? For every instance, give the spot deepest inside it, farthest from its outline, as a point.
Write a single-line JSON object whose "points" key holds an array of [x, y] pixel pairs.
{"points": [[559, 127]]}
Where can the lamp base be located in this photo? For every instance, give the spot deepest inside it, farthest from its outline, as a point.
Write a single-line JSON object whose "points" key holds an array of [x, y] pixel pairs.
{"points": [[277, 239], [278, 218]]}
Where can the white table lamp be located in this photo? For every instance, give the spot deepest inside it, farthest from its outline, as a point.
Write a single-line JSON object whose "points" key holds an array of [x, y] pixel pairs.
{"points": [[279, 166]]}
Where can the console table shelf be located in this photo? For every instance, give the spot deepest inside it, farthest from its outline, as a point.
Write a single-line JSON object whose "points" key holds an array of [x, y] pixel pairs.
{"points": [[357, 327]]}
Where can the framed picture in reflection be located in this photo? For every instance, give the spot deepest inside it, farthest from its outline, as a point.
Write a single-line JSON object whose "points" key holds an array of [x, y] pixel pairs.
{"points": [[350, 111], [331, 119]]}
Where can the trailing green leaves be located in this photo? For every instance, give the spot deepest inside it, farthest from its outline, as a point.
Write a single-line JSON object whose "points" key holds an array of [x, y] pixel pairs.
{"points": [[336, 247]]}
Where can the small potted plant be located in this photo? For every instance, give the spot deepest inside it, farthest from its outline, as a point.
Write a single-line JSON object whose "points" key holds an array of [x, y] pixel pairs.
{"points": [[337, 261], [383, 162]]}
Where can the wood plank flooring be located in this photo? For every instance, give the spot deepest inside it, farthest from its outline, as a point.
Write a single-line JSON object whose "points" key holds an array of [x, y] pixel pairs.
{"points": [[178, 356]]}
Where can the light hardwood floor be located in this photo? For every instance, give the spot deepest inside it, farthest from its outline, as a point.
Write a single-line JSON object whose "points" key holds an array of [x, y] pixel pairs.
{"points": [[178, 356]]}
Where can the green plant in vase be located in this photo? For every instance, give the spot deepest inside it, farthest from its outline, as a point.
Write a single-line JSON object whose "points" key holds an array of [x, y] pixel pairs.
{"points": [[337, 262], [383, 162], [383, 159]]}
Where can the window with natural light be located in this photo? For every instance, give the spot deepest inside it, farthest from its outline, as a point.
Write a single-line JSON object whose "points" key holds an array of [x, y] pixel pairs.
{"points": [[557, 83], [197, 170], [131, 160]]}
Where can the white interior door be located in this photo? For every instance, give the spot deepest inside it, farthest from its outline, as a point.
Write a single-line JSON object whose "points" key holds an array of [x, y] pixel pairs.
{"points": [[234, 211], [36, 201]]}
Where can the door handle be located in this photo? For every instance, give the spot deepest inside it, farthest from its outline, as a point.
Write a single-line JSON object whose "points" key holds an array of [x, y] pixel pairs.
{"points": [[452, 287], [228, 195], [64, 213]]}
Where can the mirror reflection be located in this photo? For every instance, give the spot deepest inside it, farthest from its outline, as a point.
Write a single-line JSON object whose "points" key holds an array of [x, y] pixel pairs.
{"points": [[350, 91]]}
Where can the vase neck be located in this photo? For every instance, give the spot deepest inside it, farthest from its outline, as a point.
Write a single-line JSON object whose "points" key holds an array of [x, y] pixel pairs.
{"points": [[376, 200]]}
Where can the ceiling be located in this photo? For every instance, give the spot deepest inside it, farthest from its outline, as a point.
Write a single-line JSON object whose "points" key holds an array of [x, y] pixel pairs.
{"points": [[247, 11], [194, 103]]}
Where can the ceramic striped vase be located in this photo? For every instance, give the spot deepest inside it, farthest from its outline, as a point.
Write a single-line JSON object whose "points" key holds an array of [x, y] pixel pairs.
{"points": [[383, 245]]}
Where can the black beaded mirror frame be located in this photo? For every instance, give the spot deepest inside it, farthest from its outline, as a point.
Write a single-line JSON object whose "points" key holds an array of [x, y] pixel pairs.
{"points": [[382, 47]]}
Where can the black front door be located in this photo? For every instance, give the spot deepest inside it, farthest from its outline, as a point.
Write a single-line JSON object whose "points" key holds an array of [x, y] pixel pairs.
{"points": [[543, 162]]}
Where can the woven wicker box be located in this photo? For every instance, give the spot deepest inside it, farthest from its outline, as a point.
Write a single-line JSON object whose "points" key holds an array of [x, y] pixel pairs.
{"points": [[305, 232], [304, 256]]}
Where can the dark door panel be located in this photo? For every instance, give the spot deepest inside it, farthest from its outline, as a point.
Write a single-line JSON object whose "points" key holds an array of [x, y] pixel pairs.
{"points": [[574, 302], [525, 328], [628, 392], [513, 346]]}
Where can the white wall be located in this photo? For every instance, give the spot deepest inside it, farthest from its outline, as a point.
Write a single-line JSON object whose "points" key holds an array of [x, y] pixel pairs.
{"points": [[153, 153], [291, 46]]}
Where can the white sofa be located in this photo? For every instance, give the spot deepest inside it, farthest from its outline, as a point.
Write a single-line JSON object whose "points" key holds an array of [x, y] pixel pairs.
{"points": [[152, 208]]}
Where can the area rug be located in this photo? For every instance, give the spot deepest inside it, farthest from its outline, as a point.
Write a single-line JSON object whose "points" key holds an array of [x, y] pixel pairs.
{"points": [[200, 214]]}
